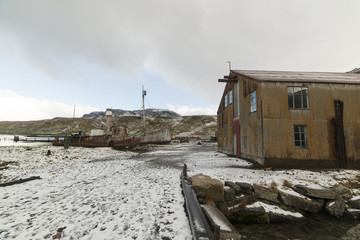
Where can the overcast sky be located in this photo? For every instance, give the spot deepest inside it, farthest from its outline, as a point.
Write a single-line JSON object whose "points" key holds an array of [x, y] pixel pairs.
{"points": [[98, 54]]}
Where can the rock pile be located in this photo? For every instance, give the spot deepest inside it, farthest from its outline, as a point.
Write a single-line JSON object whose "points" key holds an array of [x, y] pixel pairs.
{"points": [[244, 202]]}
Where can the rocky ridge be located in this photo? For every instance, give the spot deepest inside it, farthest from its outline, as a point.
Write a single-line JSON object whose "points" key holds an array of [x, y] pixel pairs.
{"points": [[151, 112]]}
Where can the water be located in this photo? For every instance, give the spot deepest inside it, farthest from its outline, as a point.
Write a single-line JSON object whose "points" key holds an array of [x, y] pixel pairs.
{"points": [[317, 226], [8, 140]]}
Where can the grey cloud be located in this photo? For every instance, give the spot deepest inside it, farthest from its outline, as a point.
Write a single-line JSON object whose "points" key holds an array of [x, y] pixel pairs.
{"points": [[187, 42]]}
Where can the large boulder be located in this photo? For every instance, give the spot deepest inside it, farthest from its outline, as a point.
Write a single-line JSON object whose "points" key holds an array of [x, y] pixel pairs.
{"points": [[336, 207], [352, 234], [234, 186], [352, 213], [248, 199], [277, 214], [293, 199], [354, 202], [315, 191], [266, 193], [343, 191], [253, 213], [211, 189], [229, 194], [246, 188]]}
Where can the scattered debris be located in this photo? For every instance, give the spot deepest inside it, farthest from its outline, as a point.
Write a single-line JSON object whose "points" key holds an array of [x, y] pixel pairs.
{"points": [[59, 233], [21, 180]]}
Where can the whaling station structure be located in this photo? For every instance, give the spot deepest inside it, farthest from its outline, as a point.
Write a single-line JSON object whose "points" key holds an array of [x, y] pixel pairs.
{"points": [[291, 119]]}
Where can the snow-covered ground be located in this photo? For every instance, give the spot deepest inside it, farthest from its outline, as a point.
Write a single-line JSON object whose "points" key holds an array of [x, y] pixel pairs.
{"points": [[101, 193]]}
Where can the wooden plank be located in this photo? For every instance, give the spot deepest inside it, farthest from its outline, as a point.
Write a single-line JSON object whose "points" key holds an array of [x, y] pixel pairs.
{"points": [[198, 223], [227, 81], [219, 221], [19, 181]]}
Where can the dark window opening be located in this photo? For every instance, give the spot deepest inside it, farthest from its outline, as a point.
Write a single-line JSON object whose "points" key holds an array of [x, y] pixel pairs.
{"points": [[298, 97], [300, 135]]}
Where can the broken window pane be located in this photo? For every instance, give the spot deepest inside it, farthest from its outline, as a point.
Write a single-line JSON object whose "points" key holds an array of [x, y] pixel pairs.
{"points": [[291, 97], [298, 97]]}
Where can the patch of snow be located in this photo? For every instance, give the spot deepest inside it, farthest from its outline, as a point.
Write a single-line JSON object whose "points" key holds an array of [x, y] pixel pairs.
{"points": [[275, 209], [254, 205], [355, 198], [235, 206], [291, 192], [315, 186], [353, 210], [97, 193]]}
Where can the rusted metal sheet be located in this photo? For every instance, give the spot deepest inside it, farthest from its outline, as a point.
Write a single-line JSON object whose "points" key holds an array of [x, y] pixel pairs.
{"points": [[300, 77]]}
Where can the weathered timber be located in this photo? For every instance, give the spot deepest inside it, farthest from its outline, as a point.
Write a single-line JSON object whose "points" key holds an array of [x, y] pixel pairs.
{"points": [[22, 180], [218, 221], [197, 220]]}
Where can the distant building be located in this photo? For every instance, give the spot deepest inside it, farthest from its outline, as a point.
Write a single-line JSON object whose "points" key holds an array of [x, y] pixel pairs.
{"points": [[291, 119]]}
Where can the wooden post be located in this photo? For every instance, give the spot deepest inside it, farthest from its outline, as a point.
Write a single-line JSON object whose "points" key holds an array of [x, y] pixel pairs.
{"points": [[339, 132]]}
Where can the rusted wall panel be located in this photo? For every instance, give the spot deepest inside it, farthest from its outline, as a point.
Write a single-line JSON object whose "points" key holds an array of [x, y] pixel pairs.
{"points": [[225, 117], [319, 118], [250, 122]]}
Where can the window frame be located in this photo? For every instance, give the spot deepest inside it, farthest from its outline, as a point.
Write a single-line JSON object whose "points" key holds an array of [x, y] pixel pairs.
{"points": [[226, 101], [301, 142], [293, 107], [230, 96], [253, 102]]}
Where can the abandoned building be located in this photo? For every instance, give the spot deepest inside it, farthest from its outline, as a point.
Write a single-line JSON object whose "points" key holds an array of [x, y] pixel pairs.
{"points": [[291, 119]]}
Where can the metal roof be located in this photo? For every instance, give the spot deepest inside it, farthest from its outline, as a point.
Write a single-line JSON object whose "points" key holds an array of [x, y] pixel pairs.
{"points": [[308, 77]]}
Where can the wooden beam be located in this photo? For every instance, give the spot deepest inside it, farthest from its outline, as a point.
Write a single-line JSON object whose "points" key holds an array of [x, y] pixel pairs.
{"points": [[21, 180], [227, 81]]}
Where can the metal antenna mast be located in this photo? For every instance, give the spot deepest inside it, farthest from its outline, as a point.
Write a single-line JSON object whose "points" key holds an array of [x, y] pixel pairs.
{"points": [[143, 97], [229, 65], [74, 112]]}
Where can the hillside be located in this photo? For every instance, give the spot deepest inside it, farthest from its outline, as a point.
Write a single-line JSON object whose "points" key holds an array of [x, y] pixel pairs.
{"points": [[202, 126], [150, 112]]}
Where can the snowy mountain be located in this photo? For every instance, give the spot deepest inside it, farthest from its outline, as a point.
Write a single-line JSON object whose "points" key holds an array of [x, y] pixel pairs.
{"points": [[355, 70], [151, 112]]}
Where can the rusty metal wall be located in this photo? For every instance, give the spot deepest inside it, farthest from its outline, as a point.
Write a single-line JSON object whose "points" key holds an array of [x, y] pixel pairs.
{"points": [[319, 118], [269, 131], [250, 122], [225, 117]]}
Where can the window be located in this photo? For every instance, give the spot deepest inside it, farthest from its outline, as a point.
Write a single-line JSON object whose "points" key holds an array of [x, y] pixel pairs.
{"points": [[300, 134], [244, 142], [226, 100], [230, 97], [253, 101], [298, 97]]}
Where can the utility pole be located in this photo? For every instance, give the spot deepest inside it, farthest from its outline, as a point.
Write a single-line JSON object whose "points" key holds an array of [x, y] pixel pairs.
{"points": [[143, 98], [74, 112], [73, 123]]}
